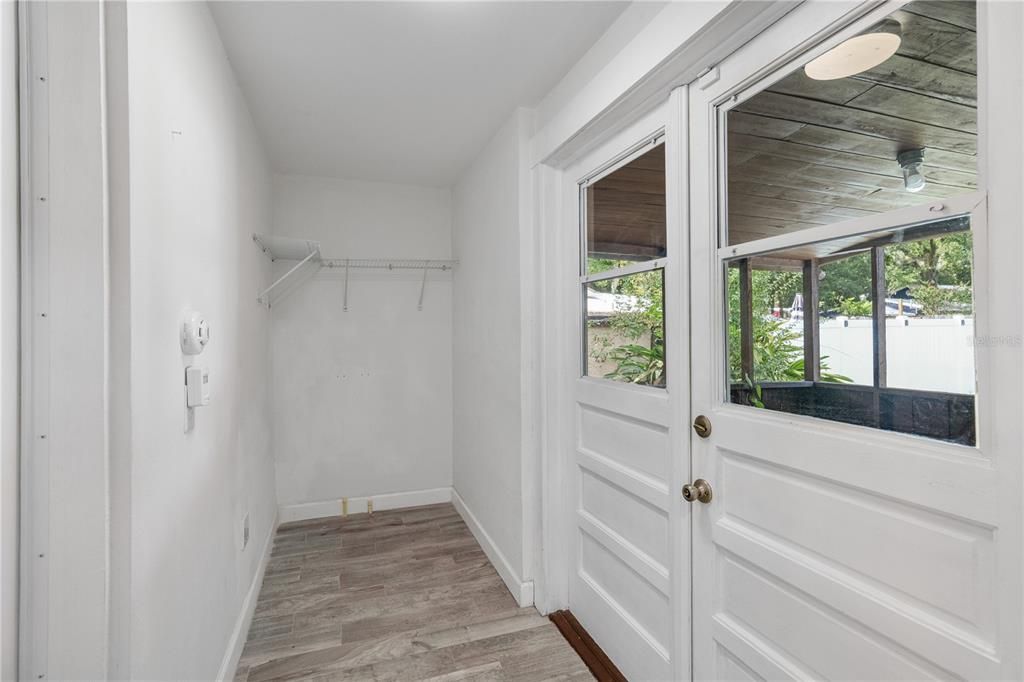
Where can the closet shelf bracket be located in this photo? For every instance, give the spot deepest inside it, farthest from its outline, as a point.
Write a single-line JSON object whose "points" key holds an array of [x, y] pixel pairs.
{"points": [[306, 252], [423, 288], [344, 305]]}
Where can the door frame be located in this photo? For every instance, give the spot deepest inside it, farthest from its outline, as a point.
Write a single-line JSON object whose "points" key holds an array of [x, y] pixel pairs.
{"points": [[74, 355], [10, 330], [672, 52]]}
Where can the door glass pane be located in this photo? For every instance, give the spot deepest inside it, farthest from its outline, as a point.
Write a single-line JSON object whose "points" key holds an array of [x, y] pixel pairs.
{"points": [[624, 334], [625, 214], [930, 315], [845, 321], [899, 360], [835, 139], [775, 319]]}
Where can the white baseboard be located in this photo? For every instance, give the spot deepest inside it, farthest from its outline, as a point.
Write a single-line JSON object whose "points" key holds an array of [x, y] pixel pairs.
{"points": [[236, 643], [522, 591], [358, 505]]}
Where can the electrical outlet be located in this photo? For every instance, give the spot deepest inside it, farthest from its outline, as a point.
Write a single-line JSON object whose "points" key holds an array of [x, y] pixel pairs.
{"points": [[245, 531]]}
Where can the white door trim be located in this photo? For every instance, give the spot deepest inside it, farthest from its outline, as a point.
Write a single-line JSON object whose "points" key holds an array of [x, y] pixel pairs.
{"points": [[677, 330], [10, 329], [33, 583], [68, 350]]}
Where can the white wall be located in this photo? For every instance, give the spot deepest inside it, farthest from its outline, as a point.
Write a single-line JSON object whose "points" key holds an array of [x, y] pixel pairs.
{"points": [[362, 399], [634, 19], [200, 185], [9, 291], [487, 343]]}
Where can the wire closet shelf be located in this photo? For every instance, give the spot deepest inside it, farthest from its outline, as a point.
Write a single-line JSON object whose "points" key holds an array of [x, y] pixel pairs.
{"points": [[309, 260]]}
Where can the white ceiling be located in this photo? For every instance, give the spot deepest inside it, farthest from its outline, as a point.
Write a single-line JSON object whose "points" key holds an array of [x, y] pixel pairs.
{"points": [[397, 91]]}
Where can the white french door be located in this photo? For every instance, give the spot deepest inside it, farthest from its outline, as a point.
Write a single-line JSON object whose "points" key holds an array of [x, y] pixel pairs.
{"points": [[628, 545], [835, 551]]}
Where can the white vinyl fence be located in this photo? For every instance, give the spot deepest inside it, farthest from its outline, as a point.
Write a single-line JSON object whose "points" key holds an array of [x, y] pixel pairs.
{"points": [[926, 354]]}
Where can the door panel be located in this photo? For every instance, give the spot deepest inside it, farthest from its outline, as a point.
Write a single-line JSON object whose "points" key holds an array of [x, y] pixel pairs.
{"points": [[621, 588], [821, 643], [846, 543], [870, 550], [628, 583], [625, 513], [641, 447], [834, 551]]}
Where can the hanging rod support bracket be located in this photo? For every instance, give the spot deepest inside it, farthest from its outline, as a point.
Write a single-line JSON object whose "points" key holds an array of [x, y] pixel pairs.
{"points": [[264, 297], [423, 287], [344, 305]]}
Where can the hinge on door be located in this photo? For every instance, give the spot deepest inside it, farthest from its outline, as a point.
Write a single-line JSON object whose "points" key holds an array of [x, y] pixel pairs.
{"points": [[707, 78]]}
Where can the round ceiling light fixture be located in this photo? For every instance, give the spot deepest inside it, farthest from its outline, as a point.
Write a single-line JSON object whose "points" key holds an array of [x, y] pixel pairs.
{"points": [[857, 54]]}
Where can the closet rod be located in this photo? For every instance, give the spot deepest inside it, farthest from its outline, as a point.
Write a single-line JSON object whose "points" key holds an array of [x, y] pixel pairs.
{"points": [[384, 264]]}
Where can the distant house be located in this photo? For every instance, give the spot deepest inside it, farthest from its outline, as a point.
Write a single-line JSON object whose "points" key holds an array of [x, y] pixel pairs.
{"points": [[602, 305]]}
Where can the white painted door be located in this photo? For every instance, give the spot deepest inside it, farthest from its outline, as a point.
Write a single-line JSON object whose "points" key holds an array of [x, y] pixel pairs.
{"points": [[835, 551], [628, 543]]}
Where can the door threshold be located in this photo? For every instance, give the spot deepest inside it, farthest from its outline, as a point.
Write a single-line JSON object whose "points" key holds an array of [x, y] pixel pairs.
{"points": [[580, 640]]}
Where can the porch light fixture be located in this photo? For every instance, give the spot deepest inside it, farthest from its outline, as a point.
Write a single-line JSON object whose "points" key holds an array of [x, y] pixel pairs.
{"points": [[910, 161], [857, 54]]}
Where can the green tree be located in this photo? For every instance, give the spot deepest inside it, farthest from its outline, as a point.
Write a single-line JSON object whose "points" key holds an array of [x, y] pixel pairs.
{"points": [[775, 289], [849, 278], [938, 272]]}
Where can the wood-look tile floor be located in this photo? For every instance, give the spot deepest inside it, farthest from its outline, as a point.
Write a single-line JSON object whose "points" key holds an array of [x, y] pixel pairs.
{"points": [[398, 595]]}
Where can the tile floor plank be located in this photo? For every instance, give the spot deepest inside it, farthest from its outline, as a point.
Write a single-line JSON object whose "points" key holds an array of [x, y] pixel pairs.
{"points": [[397, 595]]}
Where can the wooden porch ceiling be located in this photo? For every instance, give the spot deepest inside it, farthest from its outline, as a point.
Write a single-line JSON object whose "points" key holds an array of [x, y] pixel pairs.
{"points": [[805, 153], [626, 210]]}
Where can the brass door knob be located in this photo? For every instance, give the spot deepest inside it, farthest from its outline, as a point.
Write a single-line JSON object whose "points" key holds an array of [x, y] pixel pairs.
{"points": [[698, 491], [702, 426]]}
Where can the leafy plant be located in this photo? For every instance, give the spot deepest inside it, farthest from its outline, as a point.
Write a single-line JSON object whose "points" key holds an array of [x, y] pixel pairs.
{"points": [[775, 350], [855, 307], [639, 364], [778, 351], [755, 396], [599, 347], [795, 372]]}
